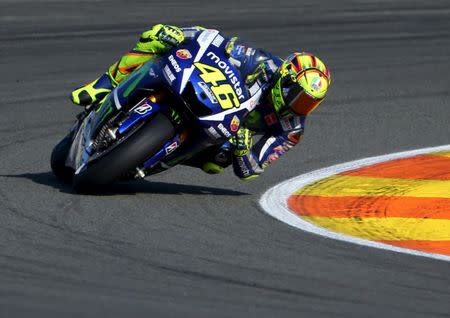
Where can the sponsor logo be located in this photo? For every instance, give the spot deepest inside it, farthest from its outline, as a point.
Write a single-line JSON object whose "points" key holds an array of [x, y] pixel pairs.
{"points": [[273, 157], [279, 150], [235, 122], [170, 148], [184, 54], [286, 124], [224, 131], [239, 50], [207, 36], [168, 73], [228, 72], [174, 64], [250, 51], [271, 119], [316, 84], [143, 109], [218, 40], [213, 133], [242, 166], [208, 92]]}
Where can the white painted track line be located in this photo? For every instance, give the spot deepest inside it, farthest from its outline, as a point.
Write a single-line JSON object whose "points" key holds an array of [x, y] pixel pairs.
{"points": [[274, 200]]}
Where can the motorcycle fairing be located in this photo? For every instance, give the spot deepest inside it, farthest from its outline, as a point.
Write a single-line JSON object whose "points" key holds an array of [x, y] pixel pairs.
{"points": [[140, 112], [201, 63]]}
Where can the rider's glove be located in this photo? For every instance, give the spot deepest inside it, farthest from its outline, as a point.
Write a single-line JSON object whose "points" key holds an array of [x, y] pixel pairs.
{"points": [[171, 35], [260, 72], [242, 142], [168, 35]]}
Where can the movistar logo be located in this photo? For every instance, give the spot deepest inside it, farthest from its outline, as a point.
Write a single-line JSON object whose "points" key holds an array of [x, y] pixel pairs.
{"points": [[229, 72]]}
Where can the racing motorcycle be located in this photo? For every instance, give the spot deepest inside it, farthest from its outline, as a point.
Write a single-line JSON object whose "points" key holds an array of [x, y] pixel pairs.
{"points": [[197, 106]]}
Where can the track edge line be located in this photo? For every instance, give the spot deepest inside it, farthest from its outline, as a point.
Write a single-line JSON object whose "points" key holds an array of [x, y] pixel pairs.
{"points": [[274, 200]]}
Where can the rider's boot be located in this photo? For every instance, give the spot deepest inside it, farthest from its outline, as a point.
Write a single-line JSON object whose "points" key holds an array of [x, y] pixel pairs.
{"points": [[94, 92], [154, 42]]}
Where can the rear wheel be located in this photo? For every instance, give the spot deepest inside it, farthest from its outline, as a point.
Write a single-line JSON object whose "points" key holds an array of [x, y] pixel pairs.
{"points": [[125, 156]]}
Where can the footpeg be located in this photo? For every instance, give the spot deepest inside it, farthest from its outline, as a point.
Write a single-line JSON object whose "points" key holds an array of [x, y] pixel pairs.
{"points": [[140, 174]]}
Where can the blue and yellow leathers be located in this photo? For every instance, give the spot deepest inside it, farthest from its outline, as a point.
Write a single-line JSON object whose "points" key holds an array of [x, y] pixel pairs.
{"points": [[152, 43], [280, 128]]}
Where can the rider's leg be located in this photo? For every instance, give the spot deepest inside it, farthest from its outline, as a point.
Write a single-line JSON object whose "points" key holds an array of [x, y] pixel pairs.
{"points": [[152, 43], [95, 91]]}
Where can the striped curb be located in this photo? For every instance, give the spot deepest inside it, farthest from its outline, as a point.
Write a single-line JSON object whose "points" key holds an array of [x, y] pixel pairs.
{"points": [[399, 202]]}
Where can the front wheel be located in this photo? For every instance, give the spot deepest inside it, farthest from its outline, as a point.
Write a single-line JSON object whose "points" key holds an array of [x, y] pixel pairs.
{"points": [[125, 156], [58, 159]]}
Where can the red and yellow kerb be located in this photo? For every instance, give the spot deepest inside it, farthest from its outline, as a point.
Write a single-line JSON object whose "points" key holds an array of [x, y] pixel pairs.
{"points": [[403, 202]]}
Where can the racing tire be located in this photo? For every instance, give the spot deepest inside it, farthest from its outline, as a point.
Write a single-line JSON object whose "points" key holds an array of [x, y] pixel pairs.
{"points": [[129, 153], [58, 160]]}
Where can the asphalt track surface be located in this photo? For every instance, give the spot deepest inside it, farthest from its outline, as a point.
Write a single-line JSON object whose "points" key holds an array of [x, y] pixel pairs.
{"points": [[188, 244]]}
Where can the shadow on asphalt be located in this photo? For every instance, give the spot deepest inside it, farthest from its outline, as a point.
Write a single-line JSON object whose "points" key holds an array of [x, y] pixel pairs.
{"points": [[128, 188]]}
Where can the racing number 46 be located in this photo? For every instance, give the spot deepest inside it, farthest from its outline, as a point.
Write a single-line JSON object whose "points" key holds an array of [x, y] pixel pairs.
{"points": [[224, 93]]}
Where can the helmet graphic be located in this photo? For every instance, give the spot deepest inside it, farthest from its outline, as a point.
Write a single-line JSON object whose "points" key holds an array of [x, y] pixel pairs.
{"points": [[302, 84]]}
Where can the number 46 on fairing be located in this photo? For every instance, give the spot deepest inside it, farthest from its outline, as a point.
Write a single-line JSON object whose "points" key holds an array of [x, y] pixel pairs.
{"points": [[224, 93]]}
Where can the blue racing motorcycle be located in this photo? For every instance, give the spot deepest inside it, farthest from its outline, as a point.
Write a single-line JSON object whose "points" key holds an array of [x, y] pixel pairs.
{"points": [[177, 109]]}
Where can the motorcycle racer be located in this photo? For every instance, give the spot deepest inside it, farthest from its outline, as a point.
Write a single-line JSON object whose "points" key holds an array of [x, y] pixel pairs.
{"points": [[292, 89]]}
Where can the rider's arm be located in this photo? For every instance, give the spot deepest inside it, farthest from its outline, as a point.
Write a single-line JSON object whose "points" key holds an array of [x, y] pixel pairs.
{"points": [[286, 133], [258, 67], [253, 63]]}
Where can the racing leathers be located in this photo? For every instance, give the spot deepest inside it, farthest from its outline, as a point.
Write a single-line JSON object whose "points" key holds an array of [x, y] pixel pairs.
{"points": [[281, 129]]}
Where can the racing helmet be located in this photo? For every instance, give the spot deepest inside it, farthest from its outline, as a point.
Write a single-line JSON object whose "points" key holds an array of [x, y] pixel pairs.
{"points": [[301, 85]]}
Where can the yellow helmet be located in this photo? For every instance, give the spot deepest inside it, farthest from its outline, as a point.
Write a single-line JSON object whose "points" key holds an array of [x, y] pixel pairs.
{"points": [[302, 84]]}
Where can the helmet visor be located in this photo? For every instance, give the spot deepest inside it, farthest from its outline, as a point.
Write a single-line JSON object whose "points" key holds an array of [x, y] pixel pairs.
{"points": [[298, 99]]}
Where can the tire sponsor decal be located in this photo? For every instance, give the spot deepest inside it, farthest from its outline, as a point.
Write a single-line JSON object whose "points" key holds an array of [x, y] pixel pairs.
{"points": [[143, 109]]}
